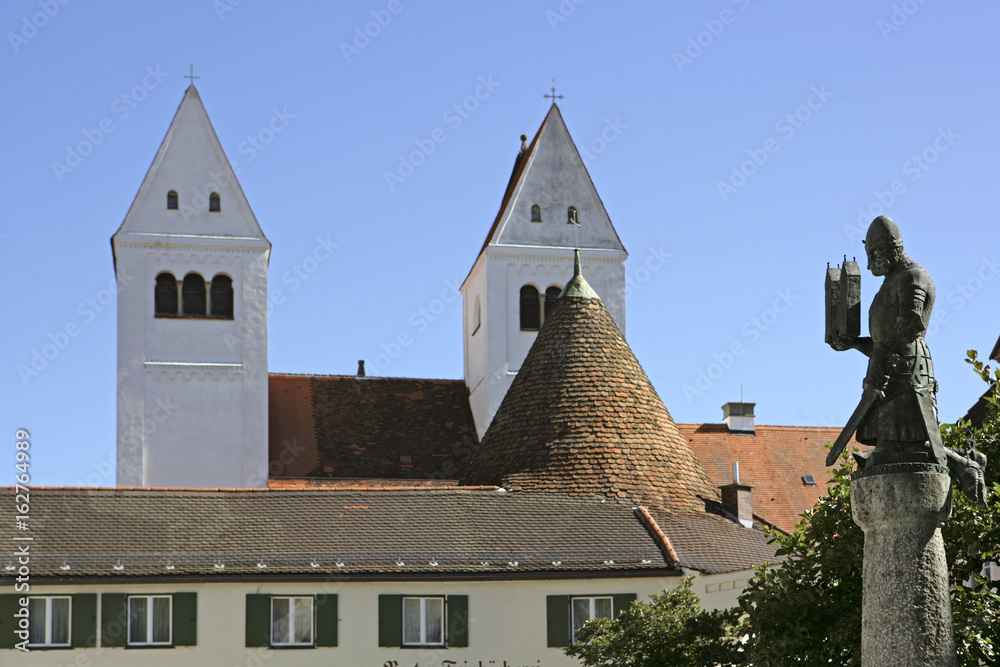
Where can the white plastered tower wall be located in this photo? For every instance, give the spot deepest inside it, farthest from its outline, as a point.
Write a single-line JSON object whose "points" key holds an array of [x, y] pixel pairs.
{"points": [[549, 174], [192, 391]]}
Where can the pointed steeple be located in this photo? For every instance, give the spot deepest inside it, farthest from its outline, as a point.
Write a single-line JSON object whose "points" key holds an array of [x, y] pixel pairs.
{"points": [[192, 164], [550, 173], [581, 417]]}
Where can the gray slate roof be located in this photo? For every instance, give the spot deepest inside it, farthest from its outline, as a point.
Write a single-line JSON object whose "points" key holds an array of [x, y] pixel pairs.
{"points": [[160, 532]]}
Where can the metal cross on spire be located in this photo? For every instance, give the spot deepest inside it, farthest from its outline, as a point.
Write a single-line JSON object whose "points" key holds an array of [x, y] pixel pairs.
{"points": [[193, 77], [553, 95]]}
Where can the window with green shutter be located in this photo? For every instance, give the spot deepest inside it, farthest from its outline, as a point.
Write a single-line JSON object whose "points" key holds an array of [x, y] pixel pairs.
{"points": [[557, 620], [390, 620], [185, 619], [9, 605], [327, 618], [114, 619], [277, 625], [84, 623], [414, 620], [565, 614], [458, 620], [258, 620]]}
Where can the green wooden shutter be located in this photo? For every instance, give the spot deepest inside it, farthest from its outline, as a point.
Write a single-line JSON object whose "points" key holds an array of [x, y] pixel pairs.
{"points": [[326, 619], [258, 620], [557, 620], [390, 620], [9, 605], [185, 619], [458, 620], [114, 619], [84, 620], [622, 602]]}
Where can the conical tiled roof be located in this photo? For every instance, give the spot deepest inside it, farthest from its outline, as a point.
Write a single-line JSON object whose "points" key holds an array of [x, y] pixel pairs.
{"points": [[582, 418]]}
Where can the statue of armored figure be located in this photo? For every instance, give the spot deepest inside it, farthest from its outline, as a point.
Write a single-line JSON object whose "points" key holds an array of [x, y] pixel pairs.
{"points": [[898, 410]]}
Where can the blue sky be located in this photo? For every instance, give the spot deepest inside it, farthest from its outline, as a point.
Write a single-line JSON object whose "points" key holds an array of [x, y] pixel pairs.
{"points": [[738, 147]]}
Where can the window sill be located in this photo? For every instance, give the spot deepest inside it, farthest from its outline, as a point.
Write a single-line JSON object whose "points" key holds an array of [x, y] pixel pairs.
{"points": [[282, 647], [144, 646], [441, 645], [49, 647], [163, 316]]}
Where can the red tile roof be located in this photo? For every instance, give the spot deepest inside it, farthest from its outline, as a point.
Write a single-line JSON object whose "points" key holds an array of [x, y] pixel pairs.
{"points": [[581, 417], [772, 461], [362, 428]]}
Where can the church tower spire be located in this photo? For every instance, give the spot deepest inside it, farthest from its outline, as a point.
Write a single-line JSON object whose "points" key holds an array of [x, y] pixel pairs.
{"points": [[192, 319], [549, 208]]}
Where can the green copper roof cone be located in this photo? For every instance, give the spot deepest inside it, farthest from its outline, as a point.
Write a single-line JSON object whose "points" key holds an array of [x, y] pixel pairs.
{"points": [[578, 285]]}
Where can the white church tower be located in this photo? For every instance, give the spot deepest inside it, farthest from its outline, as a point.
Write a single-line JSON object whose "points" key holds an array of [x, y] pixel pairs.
{"points": [[192, 319], [528, 258]]}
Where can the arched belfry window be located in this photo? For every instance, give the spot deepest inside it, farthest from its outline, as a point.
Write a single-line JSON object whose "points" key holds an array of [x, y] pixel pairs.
{"points": [[165, 295], [214, 203], [172, 200], [551, 294], [477, 317], [193, 295], [571, 216], [531, 313], [536, 213], [222, 297]]}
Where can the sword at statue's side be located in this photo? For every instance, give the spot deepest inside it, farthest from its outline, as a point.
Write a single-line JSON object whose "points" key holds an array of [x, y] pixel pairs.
{"points": [[870, 394]]}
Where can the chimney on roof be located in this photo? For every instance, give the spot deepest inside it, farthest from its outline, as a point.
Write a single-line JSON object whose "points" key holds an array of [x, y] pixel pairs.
{"points": [[736, 499], [739, 417], [361, 368]]}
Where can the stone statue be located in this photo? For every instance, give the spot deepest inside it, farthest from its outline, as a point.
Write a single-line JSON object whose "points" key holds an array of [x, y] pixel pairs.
{"points": [[898, 409]]}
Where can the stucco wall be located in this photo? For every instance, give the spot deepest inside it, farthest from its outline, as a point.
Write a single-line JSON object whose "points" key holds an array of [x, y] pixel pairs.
{"points": [[507, 623]]}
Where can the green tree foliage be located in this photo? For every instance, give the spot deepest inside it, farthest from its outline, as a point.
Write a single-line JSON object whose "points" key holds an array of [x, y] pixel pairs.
{"points": [[672, 629], [807, 611]]}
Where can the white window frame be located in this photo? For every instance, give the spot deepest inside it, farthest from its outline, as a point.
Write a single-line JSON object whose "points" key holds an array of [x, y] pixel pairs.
{"points": [[48, 619], [592, 610], [292, 601], [150, 621], [423, 621]]}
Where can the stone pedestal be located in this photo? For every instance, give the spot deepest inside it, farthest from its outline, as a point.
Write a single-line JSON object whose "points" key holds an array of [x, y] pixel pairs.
{"points": [[906, 613]]}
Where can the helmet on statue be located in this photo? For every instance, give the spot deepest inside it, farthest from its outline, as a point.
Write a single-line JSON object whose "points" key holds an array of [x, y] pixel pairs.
{"points": [[883, 234]]}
